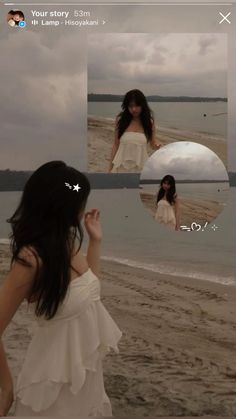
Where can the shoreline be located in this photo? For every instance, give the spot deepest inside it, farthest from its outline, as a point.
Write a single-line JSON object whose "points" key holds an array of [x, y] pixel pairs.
{"points": [[179, 276], [158, 269], [191, 210], [101, 134], [167, 130], [198, 283], [177, 353]]}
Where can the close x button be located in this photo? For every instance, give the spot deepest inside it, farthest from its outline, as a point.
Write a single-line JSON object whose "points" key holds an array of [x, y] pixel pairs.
{"points": [[224, 18]]}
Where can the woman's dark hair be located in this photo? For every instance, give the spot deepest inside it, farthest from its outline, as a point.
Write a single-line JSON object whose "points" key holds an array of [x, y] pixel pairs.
{"points": [[47, 220], [171, 193], [125, 117]]}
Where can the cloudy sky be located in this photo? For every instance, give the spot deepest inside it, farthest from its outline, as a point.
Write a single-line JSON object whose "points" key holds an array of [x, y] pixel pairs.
{"points": [[163, 64], [43, 75], [185, 160], [43, 99]]}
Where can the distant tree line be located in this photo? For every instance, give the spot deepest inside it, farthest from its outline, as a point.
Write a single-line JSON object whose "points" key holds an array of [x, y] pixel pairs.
{"points": [[94, 97], [154, 181], [11, 180]]}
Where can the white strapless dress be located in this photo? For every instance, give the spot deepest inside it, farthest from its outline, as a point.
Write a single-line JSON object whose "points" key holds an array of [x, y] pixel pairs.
{"points": [[165, 214], [131, 154], [62, 373]]}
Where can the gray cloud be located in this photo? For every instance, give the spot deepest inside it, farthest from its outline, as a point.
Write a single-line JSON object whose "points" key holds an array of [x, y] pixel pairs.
{"points": [[43, 100], [31, 90], [165, 64], [205, 44], [185, 160]]}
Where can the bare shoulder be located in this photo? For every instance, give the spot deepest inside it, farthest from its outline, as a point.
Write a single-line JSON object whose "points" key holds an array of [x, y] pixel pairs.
{"points": [[24, 269], [17, 285], [29, 256]]}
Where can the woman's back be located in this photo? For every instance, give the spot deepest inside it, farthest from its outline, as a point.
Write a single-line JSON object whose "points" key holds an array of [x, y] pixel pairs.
{"points": [[65, 352], [62, 372], [85, 287], [78, 266]]}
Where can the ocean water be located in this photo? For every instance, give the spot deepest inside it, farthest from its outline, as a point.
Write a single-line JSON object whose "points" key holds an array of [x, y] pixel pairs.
{"points": [[179, 115], [133, 238], [218, 192]]}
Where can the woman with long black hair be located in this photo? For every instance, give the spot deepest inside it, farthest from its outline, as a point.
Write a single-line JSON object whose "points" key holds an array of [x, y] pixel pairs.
{"points": [[62, 374], [168, 212], [134, 130]]}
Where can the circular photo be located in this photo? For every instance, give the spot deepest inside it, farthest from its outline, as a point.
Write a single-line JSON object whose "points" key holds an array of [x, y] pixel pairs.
{"points": [[184, 186], [15, 17]]}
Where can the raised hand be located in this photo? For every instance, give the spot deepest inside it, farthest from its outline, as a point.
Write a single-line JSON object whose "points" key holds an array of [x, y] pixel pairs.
{"points": [[93, 225]]}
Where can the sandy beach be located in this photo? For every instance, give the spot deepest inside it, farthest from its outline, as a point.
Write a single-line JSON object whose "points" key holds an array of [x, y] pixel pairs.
{"points": [[101, 136], [191, 210], [177, 353]]}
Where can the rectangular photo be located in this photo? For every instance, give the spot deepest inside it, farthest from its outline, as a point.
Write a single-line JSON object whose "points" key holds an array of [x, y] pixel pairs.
{"points": [[43, 99], [159, 304], [146, 91]]}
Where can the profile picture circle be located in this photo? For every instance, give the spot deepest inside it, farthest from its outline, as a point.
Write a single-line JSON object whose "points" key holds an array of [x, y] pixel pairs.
{"points": [[16, 18], [184, 186]]}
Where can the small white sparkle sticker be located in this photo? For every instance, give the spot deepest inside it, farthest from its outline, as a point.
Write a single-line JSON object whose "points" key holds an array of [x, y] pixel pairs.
{"points": [[76, 187]]}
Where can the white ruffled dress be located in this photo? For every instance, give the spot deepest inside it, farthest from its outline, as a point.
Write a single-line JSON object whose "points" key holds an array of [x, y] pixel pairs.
{"points": [[62, 374], [165, 214], [131, 154]]}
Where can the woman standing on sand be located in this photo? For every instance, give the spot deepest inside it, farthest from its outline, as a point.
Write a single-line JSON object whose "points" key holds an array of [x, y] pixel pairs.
{"points": [[62, 373], [134, 129], [168, 212]]}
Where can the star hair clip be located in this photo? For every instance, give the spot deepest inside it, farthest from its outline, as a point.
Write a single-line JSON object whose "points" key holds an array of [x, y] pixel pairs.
{"points": [[75, 187]]}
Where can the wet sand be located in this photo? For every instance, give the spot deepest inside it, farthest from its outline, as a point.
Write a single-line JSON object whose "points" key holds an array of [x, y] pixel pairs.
{"points": [[101, 136], [177, 353]]}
